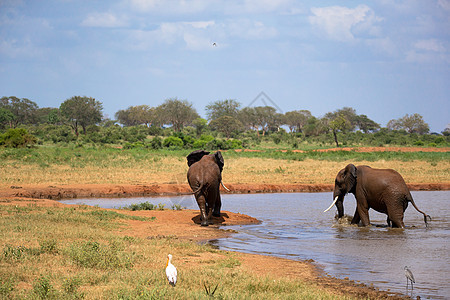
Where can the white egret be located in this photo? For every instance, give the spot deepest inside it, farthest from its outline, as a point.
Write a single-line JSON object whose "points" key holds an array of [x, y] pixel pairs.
{"points": [[409, 277], [171, 271]]}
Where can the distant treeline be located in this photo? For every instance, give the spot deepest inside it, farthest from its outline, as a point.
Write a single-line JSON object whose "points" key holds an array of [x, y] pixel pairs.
{"points": [[175, 124]]}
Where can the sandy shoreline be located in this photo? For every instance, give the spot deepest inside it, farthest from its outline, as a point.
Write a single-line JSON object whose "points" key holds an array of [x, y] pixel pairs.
{"points": [[57, 192]]}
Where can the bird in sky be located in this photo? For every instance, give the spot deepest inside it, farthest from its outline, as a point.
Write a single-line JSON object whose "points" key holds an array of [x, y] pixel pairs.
{"points": [[409, 277], [171, 271], [214, 44]]}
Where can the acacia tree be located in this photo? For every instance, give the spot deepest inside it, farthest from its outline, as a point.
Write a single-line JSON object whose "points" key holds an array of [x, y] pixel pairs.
{"points": [[297, 119], [81, 111], [248, 118], [136, 115], [222, 108], [226, 124], [23, 110], [366, 124], [177, 113], [341, 121], [260, 118], [412, 124]]}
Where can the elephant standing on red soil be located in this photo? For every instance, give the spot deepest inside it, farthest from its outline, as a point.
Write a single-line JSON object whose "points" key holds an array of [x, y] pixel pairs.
{"points": [[204, 177]]}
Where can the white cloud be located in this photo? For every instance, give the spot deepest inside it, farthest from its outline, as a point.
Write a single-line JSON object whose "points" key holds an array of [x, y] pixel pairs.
{"points": [[445, 4], [201, 24], [248, 29], [170, 7], [432, 45], [264, 6], [428, 51], [108, 20], [19, 48], [342, 23]]}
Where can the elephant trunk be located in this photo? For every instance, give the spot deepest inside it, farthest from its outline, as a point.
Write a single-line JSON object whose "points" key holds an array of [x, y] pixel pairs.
{"points": [[339, 202], [340, 207]]}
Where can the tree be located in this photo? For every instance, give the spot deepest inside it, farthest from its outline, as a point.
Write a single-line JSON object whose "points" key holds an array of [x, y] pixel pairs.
{"points": [[6, 117], [222, 108], [23, 110], [248, 118], [260, 118], [226, 124], [49, 115], [136, 115], [297, 119], [348, 113], [81, 111], [366, 124], [177, 113], [415, 124], [200, 125], [412, 124], [341, 121]]}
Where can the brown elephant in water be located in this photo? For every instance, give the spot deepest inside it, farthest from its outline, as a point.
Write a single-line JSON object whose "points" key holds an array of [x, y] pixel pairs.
{"points": [[384, 190], [204, 177]]}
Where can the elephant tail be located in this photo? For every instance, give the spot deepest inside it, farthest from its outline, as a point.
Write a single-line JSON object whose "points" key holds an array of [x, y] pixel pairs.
{"points": [[426, 217], [198, 189]]}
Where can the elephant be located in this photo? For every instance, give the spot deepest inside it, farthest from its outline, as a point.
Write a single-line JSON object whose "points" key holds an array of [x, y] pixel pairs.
{"points": [[383, 190], [204, 177]]}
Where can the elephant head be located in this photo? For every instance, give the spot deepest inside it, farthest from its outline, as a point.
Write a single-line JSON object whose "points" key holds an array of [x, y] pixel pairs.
{"points": [[345, 183], [196, 155]]}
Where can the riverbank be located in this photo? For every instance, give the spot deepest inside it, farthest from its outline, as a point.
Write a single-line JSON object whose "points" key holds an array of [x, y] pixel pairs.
{"points": [[57, 192], [179, 226]]}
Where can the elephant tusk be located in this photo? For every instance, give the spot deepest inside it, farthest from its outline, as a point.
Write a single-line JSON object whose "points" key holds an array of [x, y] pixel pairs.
{"points": [[334, 202], [224, 186]]}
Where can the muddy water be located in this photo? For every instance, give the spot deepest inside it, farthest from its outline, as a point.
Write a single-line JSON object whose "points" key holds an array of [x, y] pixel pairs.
{"points": [[295, 227]]}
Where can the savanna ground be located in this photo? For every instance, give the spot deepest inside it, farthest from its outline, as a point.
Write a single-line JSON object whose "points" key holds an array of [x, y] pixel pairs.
{"points": [[50, 250]]}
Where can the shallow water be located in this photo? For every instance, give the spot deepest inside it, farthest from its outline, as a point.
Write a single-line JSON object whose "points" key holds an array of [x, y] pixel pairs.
{"points": [[295, 227]]}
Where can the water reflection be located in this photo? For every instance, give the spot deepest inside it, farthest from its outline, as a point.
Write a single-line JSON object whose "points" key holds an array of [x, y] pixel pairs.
{"points": [[295, 227]]}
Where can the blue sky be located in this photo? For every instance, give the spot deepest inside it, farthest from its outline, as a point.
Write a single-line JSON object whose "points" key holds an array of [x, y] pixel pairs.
{"points": [[384, 58]]}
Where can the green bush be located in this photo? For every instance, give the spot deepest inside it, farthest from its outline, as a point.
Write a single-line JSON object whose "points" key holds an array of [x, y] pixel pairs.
{"points": [[156, 143], [173, 142], [16, 138]]}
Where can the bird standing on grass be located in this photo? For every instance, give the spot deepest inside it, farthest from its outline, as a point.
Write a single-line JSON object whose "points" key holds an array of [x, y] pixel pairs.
{"points": [[171, 271], [409, 277]]}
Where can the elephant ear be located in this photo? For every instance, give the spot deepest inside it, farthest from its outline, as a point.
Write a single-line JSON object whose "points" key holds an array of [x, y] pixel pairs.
{"points": [[219, 160], [195, 156], [350, 176]]}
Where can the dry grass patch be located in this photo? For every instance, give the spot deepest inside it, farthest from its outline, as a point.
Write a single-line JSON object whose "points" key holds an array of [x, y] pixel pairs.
{"points": [[278, 171]]}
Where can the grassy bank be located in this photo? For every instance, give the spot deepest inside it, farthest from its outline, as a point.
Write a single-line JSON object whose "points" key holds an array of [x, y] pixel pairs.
{"points": [[100, 165], [80, 253]]}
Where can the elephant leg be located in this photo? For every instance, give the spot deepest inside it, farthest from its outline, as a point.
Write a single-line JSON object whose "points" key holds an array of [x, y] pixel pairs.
{"points": [[217, 205], [356, 218], [364, 215], [388, 221], [210, 212], [397, 222], [201, 201], [395, 215]]}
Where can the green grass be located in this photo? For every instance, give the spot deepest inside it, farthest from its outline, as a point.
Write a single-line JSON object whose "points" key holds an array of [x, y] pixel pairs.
{"points": [[106, 157]]}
